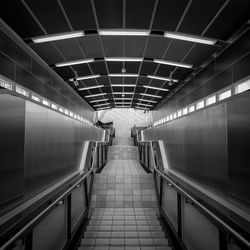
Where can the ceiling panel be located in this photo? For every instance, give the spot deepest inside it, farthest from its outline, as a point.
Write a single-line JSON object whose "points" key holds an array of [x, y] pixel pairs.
{"points": [[109, 13], [49, 15], [99, 68], [138, 17], [82, 69], [65, 72], [80, 14], [134, 46], [91, 46], [148, 68], [113, 46], [132, 67], [168, 14], [201, 14], [114, 67], [164, 70], [14, 10]]}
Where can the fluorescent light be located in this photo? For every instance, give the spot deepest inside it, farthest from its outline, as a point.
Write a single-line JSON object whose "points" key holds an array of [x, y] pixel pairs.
{"points": [[190, 38], [103, 104], [123, 103], [123, 75], [84, 77], [92, 87], [123, 59], [123, 93], [55, 37], [82, 61], [143, 104], [156, 96], [88, 96], [124, 32], [161, 78], [143, 108], [103, 108], [123, 85], [100, 100], [177, 64], [123, 98], [150, 87], [145, 100]]}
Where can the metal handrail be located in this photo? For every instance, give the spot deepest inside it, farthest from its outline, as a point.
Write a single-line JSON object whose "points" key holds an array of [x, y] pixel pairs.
{"points": [[198, 204], [51, 206]]}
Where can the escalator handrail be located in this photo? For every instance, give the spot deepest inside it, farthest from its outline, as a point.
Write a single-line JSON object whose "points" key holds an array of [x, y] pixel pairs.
{"points": [[29, 225], [224, 225]]}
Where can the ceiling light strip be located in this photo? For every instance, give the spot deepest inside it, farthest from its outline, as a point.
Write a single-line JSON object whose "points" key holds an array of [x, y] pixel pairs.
{"points": [[123, 98], [189, 38], [156, 88], [123, 32], [92, 87], [145, 100], [161, 78], [143, 104], [123, 93], [84, 77], [172, 63], [155, 96], [103, 104], [76, 62], [123, 85], [100, 100], [123, 59], [88, 96], [123, 75], [56, 37]]}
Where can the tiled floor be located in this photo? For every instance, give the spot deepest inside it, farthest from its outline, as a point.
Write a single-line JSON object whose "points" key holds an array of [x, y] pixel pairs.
{"points": [[123, 205]]}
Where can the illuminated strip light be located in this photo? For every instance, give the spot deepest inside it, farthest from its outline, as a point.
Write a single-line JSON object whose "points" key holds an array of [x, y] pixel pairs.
{"points": [[92, 87], [177, 64], [123, 93], [156, 96], [123, 98], [145, 100], [190, 38], [123, 59], [103, 104], [123, 85], [104, 108], [56, 37], [88, 96], [123, 32], [143, 104], [100, 100], [123, 75], [161, 78], [150, 87], [143, 108], [76, 62], [84, 77]]}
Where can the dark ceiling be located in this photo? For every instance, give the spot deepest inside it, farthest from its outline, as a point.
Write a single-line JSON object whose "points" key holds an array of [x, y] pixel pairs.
{"points": [[217, 19]]}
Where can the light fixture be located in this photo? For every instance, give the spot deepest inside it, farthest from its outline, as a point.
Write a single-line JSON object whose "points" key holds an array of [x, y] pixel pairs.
{"points": [[123, 32], [92, 87], [161, 78], [123, 75], [100, 100], [84, 77], [123, 59], [123, 93], [88, 96], [56, 37], [156, 96], [150, 87], [123, 85], [143, 104], [76, 62], [145, 100], [125, 98], [177, 64], [103, 104], [104, 108], [143, 108], [190, 38]]}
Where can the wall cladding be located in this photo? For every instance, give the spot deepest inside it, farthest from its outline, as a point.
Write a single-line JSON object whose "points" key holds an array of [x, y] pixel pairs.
{"points": [[38, 146], [211, 146], [23, 68], [231, 66]]}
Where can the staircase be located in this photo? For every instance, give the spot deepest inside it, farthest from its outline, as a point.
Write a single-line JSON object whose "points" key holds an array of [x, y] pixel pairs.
{"points": [[124, 212]]}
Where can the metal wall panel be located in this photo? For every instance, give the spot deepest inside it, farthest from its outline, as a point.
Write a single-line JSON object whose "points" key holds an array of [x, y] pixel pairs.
{"points": [[12, 115]]}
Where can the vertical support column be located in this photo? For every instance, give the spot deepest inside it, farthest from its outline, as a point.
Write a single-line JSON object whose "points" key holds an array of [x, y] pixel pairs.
{"points": [[69, 202], [179, 215], [223, 241], [28, 241]]}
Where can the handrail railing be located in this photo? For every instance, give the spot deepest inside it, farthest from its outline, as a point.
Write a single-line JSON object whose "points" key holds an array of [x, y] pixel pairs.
{"points": [[227, 228], [30, 225]]}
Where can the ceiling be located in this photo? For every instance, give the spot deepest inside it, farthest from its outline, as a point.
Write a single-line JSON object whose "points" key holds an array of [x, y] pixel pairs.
{"points": [[217, 19]]}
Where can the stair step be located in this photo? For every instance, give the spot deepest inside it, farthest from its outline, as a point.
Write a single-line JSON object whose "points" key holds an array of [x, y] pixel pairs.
{"points": [[125, 241], [124, 234], [124, 248], [124, 228], [118, 222]]}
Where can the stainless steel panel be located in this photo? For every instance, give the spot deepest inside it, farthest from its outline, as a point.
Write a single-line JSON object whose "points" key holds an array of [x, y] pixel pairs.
{"points": [[12, 115]]}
